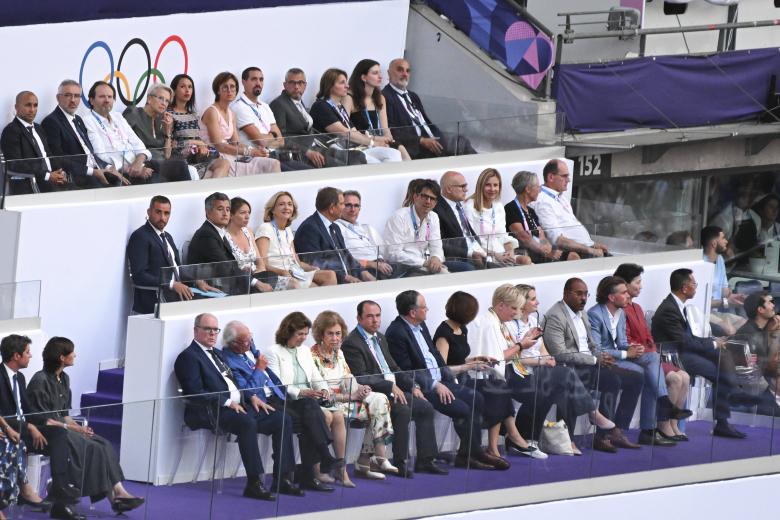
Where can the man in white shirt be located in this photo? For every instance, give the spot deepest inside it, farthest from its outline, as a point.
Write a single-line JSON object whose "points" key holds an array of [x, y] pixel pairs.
{"points": [[256, 122], [23, 142], [412, 235], [362, 240], [557, 217]]}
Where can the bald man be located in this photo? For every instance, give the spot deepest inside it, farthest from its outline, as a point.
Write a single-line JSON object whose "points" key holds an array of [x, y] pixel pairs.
{"points": [[410, 124], [23, 143]]}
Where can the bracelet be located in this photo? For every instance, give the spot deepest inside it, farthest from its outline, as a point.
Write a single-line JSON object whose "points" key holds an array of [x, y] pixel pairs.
{"points": [[65, 425]]}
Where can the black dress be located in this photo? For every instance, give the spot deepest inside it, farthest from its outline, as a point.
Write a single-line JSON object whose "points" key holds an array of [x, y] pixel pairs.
{"points": [[497, 395], [94, 466]]}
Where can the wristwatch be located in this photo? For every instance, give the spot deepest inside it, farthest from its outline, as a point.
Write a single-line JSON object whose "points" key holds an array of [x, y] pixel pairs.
{"points": [[725, 303]]}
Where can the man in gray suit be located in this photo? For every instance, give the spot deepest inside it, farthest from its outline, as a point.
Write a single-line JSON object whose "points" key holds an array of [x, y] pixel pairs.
{"points": [[567, 336]]}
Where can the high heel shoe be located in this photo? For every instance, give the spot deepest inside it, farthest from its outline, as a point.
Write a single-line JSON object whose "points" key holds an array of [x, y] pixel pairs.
{"points": [[41, 506], [600, 421], [345, 481], [125, 504], [383, 465]]}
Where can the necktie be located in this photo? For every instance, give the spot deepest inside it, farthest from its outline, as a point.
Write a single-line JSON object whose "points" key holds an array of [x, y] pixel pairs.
{"points": [[16, 396], [265, 380], [334, 237], [377, 351], [463, 222], [221, 366], [226, 243], [167, 249], [687, 323], [41, 154]]}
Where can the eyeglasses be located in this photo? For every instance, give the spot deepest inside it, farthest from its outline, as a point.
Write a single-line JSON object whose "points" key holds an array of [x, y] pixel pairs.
{"points": [[210, 330], [162, 99], [461, 186], [563, 175], [299, 83], [352, 206], [68, 95], [429, 198]]}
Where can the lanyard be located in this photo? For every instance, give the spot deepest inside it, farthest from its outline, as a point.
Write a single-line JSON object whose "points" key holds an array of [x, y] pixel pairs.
{"points": [[342, 112], [370, 123], [482, 219], [257, 114], [549, 193], [356, 232], [105, 130], [522, 215], [417, 227], [279, 238]]}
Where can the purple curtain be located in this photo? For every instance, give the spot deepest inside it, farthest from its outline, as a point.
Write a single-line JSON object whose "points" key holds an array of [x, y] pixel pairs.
{"points": [[666, 91]]}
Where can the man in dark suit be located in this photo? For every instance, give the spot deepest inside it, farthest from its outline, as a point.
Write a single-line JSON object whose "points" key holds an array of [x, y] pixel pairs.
{"points": [[706, 357], [50, 440], [412, 348], [24, 145], [410, 124], [264, 393], [201, 371], [150, 250], [67, 138], [369, 359], [295, 123], [210, 245], [319, 241], [461, 244]]}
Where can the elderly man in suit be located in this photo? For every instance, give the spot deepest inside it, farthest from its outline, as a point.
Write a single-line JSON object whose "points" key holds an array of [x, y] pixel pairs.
{"points": [[150, 250], [368, 356], [50, 440], [26, 150], [608, 327], [215, 400], [567, 336], [264, 394], [68, 138], [410, 124], [412, 348], [294, 121], [706, 357], [321, 238]]}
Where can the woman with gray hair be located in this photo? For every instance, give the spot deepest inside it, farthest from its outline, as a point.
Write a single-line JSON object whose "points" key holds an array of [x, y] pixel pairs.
{"points": [[523, 224]]}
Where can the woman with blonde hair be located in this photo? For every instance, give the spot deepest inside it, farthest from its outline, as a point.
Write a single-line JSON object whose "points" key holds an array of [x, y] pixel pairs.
{"points": [[486, 216], [355, 401], [275, 244]]}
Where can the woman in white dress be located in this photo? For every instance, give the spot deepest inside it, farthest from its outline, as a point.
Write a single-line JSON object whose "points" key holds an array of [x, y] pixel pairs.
{"points": [[486, 216], [275, 243]]}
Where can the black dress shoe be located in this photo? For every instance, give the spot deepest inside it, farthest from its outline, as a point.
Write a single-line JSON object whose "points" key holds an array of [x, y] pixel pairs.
{"points": [[404, 471], [285, 486], [64, 512], [654, 438], [257, 491], [43, 506], [462, 461], [724, 429], [680, 438], [331, 464], [428, 466], [679, 414], [68, 494], [123, 505], [315, 484]]}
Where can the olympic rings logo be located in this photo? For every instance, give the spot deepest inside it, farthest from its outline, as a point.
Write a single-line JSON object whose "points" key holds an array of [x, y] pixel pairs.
{"points": [[151, 69]]}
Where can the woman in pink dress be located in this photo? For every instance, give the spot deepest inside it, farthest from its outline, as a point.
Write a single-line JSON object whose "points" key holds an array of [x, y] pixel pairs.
{"points": [[219, 129]]}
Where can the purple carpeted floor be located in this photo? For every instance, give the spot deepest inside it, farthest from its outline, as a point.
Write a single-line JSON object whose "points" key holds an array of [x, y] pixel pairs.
{"points": [[196, 501]]}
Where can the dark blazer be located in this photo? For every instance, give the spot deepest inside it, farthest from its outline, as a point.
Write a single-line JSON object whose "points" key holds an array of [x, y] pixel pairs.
{"points": [[197, 375], [669, 326], [63, 141], [17, 143], [455, 246], [289, 119], [147, 257], [402, 125], [408, 355], [7, 404], [248, 379], [207, 246], [313, 237], [366, 369]]}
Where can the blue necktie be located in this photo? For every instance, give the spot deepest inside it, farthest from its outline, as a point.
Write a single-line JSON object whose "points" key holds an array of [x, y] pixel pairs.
{"points": [[265, 381]]}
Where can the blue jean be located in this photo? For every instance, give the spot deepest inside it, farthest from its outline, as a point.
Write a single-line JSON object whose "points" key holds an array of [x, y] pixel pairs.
{"points": [[649, 365]]}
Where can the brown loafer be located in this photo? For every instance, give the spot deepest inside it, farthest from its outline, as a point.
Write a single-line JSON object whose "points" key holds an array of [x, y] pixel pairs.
{"points": [[462, 461], [497, 462], [619, 440], [601, 443]]}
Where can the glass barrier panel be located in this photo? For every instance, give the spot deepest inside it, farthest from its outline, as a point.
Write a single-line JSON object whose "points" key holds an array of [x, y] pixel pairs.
{"points": [[502, 133], [211, 280], [20, 300], [333, 267]]}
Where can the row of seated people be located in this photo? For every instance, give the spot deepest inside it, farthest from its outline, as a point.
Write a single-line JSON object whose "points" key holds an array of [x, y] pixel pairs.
{"points": [[169, 140], [471, 369], [437, 229], [36, 419]]}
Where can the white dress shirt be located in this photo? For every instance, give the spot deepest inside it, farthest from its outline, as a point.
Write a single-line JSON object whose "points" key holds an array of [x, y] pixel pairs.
{"points": [[91, 162], [579, 326], [405, 246], [235, 395], [362, 240], [557, 218], [37, 138], [473, 245], [113, 140], [252, 113], [11, 374]]}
